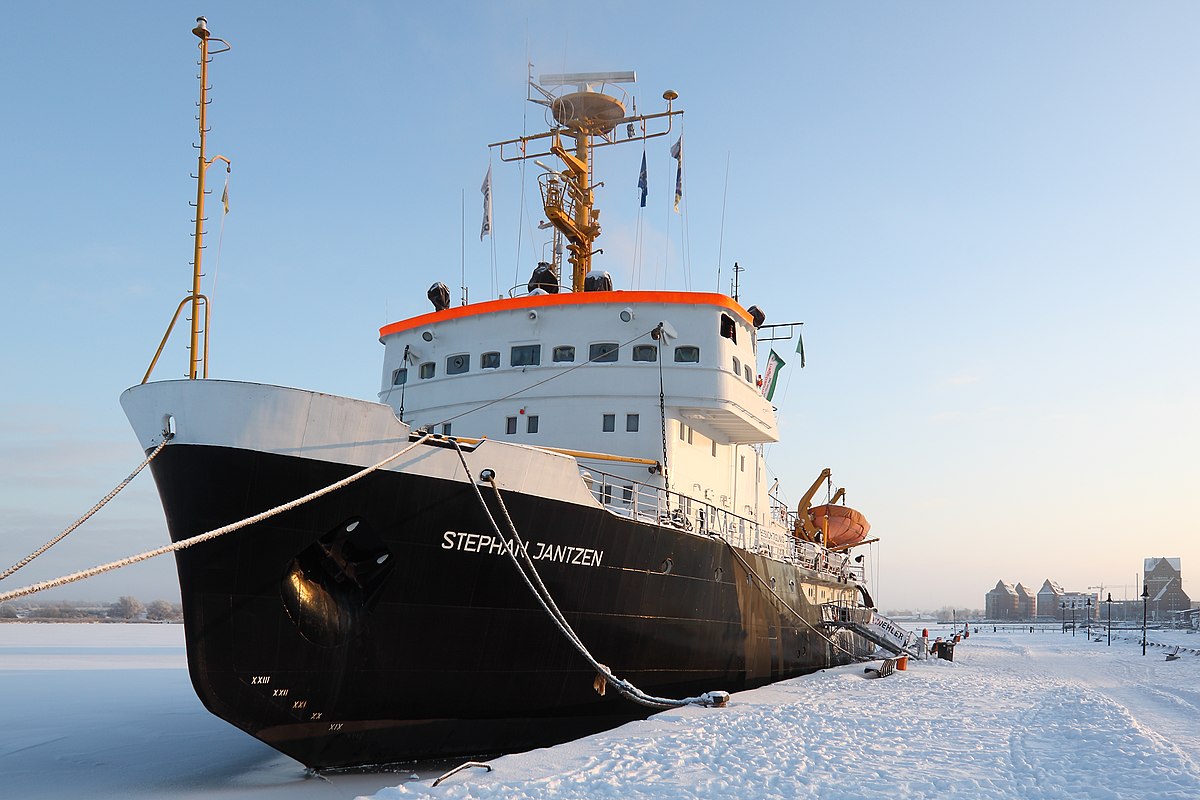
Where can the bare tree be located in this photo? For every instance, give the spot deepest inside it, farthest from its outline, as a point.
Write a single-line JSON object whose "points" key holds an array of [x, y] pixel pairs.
{"points": [[159, 610], [126, 608]]}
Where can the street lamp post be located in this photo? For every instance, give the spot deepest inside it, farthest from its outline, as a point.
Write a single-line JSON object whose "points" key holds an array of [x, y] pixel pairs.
{"points": [[1089, 619], [1145, 599], [1109, 602], [1063, 606], [1072, 619]]}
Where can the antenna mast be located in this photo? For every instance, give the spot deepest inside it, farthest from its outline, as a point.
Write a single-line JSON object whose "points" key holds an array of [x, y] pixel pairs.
{"points": [[581, 116]]}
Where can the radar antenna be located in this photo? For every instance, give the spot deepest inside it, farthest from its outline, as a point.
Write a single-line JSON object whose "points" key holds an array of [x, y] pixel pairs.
{"points": [[589, 114]]}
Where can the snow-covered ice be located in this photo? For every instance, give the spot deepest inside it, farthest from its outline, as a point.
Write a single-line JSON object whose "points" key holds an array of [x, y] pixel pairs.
{"points": [[106, 711]]}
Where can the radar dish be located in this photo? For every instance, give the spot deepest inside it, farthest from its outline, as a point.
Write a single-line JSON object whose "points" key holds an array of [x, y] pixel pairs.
{"points": [[590, 111]]}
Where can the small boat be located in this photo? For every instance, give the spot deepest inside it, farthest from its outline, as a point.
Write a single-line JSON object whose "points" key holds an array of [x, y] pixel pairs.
{"points": [[844, 526]]}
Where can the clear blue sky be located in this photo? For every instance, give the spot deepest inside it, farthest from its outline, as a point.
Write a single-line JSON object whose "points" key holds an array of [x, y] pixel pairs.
{"points": [[985, 215]]}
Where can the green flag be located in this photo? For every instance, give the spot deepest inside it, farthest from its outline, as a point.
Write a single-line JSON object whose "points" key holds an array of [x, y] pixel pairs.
{"points": [[774, 365]]}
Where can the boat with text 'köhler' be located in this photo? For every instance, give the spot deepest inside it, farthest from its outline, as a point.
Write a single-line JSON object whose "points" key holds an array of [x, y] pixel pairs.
{"points": [[556, 519]]}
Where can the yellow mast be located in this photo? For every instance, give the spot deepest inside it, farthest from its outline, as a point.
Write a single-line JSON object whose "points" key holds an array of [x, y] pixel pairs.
{"points": [[194, 353], [197, 354], [584, 115]]}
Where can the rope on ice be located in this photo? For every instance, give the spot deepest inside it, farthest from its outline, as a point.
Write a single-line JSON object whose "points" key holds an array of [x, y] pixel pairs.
{"points": [[213, 534], [546, 601]]}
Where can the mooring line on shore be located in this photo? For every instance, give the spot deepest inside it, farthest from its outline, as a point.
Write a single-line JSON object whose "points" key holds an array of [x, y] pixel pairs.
{"points": [[204, 537]]}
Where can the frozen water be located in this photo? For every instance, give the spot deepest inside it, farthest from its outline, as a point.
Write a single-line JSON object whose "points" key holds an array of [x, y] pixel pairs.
{"points": [[106, 711]]}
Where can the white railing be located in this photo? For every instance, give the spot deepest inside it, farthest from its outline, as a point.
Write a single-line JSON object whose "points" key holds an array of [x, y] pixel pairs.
{"points": [[657, 506]]}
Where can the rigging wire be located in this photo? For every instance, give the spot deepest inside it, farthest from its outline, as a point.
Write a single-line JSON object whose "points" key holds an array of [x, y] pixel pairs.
{"points": [[721, 238]]}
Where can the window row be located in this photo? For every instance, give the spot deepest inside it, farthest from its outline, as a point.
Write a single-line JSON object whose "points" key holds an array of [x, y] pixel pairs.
{"points": [[530, 355], [608, 423]]}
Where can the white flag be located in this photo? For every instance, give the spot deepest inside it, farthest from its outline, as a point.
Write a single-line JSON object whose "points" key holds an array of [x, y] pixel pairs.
{"points": [[487, 204]]}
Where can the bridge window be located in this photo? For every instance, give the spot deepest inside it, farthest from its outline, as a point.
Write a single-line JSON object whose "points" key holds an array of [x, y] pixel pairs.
{"points": [[489, 360], [510, 425], [428, 369], [531, 424], [687, 354], [603, 352], [737, 366], [749, 373], [564, 352], [456, 365], [631, 423], [645, 352], [526, 355], [728, 328], [399, 377], [446, 429], [609, 423]]}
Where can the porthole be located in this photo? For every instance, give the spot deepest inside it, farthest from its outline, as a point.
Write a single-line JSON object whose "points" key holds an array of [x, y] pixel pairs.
{"points": [[718, 574], [666, 566], [687, 354], [772, 584]]}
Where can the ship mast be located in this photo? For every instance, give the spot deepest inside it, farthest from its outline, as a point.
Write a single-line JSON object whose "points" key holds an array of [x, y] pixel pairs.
{"points": [[197, 352], [586, 118], [196, 356]]}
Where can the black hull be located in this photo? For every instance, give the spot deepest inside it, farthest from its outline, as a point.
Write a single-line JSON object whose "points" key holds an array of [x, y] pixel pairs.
{"points": [[409, 637]]}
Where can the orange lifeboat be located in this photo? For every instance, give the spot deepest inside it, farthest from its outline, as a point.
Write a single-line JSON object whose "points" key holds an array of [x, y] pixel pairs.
{"points": [[846, 526]]}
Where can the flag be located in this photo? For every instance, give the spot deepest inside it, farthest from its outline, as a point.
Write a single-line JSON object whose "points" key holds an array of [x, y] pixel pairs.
{"points": [[677, 154], [642, 183], [774, 365], [225, 196], [800, 347], [486, 189]]}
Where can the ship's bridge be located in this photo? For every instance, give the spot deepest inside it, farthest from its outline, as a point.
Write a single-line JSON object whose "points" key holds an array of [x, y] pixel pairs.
{"points": [[581, 370]]}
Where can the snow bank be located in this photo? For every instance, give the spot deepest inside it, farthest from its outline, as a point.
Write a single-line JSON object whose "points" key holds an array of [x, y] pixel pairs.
{"points": [[1028, 716], [1013, 717]]}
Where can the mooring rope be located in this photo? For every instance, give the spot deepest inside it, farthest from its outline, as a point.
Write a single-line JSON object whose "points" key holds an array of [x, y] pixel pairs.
{"points": [[204, 537], [546, 601], [103, 502]]}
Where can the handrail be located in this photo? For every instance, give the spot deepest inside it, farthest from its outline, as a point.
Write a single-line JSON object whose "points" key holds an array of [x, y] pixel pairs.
{"points": [[654, 505], [171, 327]]}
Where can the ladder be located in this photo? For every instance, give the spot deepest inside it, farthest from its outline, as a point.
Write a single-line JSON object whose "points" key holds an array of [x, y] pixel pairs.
{"points": [[874, 627]]}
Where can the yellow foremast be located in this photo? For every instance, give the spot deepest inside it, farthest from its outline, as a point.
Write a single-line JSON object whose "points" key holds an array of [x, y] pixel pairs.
{"points": [[197, 350]]}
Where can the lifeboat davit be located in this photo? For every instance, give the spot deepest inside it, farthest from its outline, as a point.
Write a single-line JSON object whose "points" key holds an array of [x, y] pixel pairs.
{"points": [[846, 525]]}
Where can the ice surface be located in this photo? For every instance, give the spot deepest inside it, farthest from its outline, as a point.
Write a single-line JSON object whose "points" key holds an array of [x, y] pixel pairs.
{"points": [[106, 711]]}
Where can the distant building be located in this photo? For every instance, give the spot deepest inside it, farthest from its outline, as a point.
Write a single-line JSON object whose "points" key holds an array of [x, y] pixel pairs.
{"points": [[1001, 602], [1048, 599], [1163, 577], [1078, 605], [1026, 603]]}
